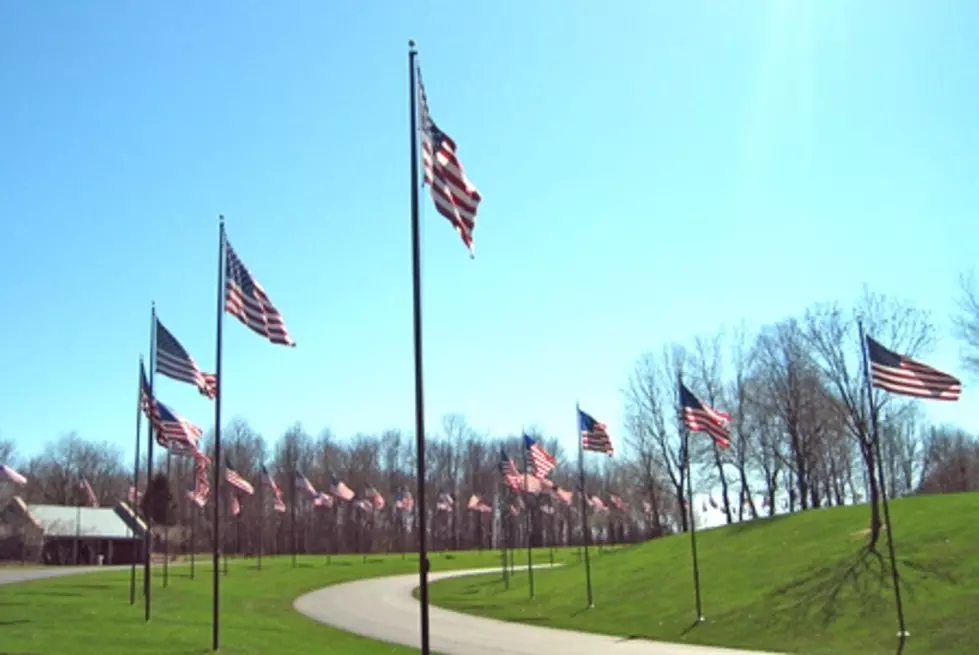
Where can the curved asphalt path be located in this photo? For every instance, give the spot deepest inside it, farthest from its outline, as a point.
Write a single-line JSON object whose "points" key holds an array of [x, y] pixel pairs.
{"points": [[11, 575], [384, 609]]}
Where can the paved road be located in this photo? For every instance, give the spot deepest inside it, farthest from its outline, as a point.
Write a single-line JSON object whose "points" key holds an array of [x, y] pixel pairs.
{"points": [[11, 575], [383, 608]]}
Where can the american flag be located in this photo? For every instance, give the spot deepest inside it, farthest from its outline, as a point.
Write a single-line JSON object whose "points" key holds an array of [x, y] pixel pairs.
{"points": [[278, 504], [698, 417], [511, 476], [245, 299], [93, 500], [903, 375], [404, 501], [235, 506], [455, 197], [375, 497], [235, 479], [617, 501], [339, 489], [597, 503], [11, 475], [477, 504], [173, 360], [363, 504], [541, 461], [445, 502], [184, 449], [171, 426], [594, 435], [168, 424], [303, 484], [322, 500], [202, 484], [564, 495]]}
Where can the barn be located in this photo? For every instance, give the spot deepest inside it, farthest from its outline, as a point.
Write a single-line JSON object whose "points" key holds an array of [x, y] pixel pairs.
{"points": [[68, 535]]}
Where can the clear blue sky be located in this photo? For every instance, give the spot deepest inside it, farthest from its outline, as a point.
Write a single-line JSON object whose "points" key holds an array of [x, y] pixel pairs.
{"points": [[650, 171]]}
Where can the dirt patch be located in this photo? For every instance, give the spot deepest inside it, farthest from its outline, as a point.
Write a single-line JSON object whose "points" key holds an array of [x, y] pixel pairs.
{"points": [[866, 531]]}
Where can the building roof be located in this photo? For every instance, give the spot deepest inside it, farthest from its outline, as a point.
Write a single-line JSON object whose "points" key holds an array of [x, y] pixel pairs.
{"points": [[93, 522]]}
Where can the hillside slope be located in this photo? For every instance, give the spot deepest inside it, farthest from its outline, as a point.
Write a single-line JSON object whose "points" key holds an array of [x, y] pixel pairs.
{"points": [[799, 583]]}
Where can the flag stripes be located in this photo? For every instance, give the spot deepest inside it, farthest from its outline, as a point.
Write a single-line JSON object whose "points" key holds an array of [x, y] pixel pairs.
{"points": [[246, 300], [173, 361], [698, 417], [542, 462], [236, 480], [594, 435], [455, 197], [907, 377]]}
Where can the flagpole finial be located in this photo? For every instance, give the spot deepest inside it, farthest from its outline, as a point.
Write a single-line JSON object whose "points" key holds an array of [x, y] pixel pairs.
{"points": [[221, 218], [411, 43]]}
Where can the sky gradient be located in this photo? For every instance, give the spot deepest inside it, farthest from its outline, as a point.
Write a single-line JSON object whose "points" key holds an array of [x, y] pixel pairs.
{"points": [[650, 171]]}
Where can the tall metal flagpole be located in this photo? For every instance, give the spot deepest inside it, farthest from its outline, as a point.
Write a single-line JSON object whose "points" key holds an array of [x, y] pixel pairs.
{"points": [[693, 528], [261, 522], [419, 379], [166, 534], [193, 540], [585, 536], [902, 628], [148, 570], [216, 546], [530, 521], [292, 513], [139, 426], [501, 505]]}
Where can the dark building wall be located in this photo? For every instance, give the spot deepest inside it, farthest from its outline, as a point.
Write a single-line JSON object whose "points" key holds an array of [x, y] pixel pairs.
{"points": [[65, 551]]}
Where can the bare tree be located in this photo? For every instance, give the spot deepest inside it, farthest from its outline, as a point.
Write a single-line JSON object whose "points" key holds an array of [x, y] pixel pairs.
{"points": [[738, 393], [652, 408], [705, 370], [831, 332], [966, 322]]}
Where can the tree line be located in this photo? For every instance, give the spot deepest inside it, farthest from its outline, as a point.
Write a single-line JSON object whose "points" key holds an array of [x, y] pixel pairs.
{"points": [[800, 429]]}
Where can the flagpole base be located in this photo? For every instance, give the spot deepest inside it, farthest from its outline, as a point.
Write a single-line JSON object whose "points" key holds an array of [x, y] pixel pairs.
{"points": [[701, 619], [903, 633]]}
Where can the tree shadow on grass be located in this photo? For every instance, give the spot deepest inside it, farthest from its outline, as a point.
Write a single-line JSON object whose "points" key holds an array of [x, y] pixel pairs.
{"points": [[863, 577]]}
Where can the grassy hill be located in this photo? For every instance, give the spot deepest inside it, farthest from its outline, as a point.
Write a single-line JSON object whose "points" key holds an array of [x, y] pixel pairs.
{"points": [[797, 583]]}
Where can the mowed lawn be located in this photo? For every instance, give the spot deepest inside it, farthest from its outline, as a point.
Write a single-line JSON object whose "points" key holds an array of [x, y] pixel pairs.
{"points": [[791, 584], [90, 614]]}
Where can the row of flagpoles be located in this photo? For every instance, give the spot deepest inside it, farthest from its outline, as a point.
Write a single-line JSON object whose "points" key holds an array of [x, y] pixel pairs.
{"points": [[457, 200]]}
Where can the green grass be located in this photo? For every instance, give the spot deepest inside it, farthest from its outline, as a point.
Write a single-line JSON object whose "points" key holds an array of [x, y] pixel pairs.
{"points": [[90, 614], [798, 583]]}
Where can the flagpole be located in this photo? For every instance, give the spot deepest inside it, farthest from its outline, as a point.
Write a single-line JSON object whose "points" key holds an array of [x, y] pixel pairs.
{"points": [[503, 532], [693, 526], [530, 521], [584, 508], [216, 545], [193, 540], [902, 628], [292, 514], [148, 570], [166, 534], [139, 427], [261, 524], [419, 380]]}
